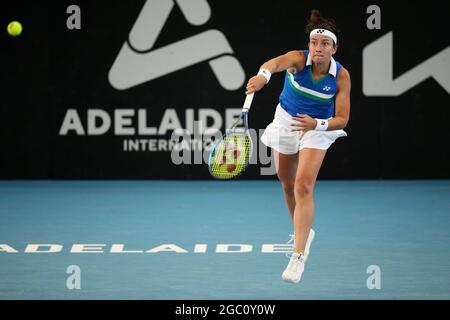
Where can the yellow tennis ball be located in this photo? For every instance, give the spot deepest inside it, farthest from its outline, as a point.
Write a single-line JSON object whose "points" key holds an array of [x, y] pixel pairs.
{"points": [[14, 28]]}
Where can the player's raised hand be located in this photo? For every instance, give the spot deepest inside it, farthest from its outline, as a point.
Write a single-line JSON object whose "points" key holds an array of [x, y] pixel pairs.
{"points": [[255, 84]]}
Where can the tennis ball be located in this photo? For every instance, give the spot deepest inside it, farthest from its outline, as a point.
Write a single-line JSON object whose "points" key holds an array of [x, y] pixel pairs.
{"points": [[14, 28]]}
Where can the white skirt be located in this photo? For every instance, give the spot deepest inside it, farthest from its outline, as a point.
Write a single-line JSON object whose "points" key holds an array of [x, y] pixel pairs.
{"points": [[280, 137]]}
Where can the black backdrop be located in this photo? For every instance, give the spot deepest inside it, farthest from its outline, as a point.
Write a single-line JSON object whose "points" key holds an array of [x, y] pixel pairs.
{"points": [[50, 69]]}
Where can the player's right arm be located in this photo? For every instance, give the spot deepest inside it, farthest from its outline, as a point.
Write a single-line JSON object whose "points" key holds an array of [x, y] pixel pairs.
{"points": [[293, 60]]}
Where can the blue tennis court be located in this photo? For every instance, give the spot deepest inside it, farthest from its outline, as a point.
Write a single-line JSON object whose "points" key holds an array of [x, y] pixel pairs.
{"points": [[221, 240]]}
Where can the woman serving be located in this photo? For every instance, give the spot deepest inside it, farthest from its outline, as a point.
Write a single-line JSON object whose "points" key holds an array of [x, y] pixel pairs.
{"points": [[313, 110]]}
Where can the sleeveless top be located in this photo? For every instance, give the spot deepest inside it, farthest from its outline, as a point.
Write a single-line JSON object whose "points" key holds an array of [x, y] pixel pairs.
{"points": [[302, 94]]}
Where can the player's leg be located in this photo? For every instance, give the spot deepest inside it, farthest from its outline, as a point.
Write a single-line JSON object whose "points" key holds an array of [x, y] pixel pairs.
{"points": [[286, 166], [310, 161]]}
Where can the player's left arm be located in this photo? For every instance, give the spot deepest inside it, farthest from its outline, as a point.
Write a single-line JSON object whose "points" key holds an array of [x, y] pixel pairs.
{"points": [[341, 102]]}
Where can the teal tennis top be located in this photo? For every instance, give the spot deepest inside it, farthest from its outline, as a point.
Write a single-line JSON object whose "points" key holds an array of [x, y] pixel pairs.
{"points": [[304, 95]]}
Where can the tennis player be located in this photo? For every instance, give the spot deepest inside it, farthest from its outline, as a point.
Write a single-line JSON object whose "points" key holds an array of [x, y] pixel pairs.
{"points": [[313, 110]]}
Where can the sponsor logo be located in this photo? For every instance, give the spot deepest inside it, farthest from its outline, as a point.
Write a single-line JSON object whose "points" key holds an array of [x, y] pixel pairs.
{"points": [[138, 61], [40, 248], [378, 69]]}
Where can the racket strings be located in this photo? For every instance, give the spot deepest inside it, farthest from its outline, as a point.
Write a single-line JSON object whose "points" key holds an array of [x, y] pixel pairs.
{"points": [[231, 156]]}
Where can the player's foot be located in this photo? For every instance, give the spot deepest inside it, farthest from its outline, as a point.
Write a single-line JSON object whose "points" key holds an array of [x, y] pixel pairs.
{"points": [[295, 268], [311, 236]]}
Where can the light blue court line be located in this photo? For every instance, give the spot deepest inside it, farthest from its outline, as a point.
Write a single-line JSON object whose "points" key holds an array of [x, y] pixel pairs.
{"points": [[401, 226]]}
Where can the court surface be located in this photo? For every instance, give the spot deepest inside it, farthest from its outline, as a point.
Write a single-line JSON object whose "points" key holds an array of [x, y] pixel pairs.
{"points": [[403, 227]]}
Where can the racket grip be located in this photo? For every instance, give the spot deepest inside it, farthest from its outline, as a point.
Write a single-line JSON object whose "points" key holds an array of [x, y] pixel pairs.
{"points": [[248, 102]]}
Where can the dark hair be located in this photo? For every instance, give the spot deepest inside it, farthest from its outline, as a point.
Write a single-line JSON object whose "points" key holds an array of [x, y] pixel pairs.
{"points": [[316, 21]]}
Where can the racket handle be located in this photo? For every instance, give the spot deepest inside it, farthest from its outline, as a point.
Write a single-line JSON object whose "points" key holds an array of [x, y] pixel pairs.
{"points": [[248, 102]]}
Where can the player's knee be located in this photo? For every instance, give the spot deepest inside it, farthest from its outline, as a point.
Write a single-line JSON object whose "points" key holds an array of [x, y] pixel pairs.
{"points": [[288, 187], [287, 182], [303, 189]]}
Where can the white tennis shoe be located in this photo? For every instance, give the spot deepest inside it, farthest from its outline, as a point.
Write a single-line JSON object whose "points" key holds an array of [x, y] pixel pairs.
{"points": [[311, 236], [294, 270]]}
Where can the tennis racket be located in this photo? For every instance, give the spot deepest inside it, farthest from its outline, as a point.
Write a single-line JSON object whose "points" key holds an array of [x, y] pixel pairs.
{"points": [[231, 154]]}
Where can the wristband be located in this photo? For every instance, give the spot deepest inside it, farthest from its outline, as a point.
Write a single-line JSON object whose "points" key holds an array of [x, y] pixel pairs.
{"points": [[322, 125], [265, 73]]}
